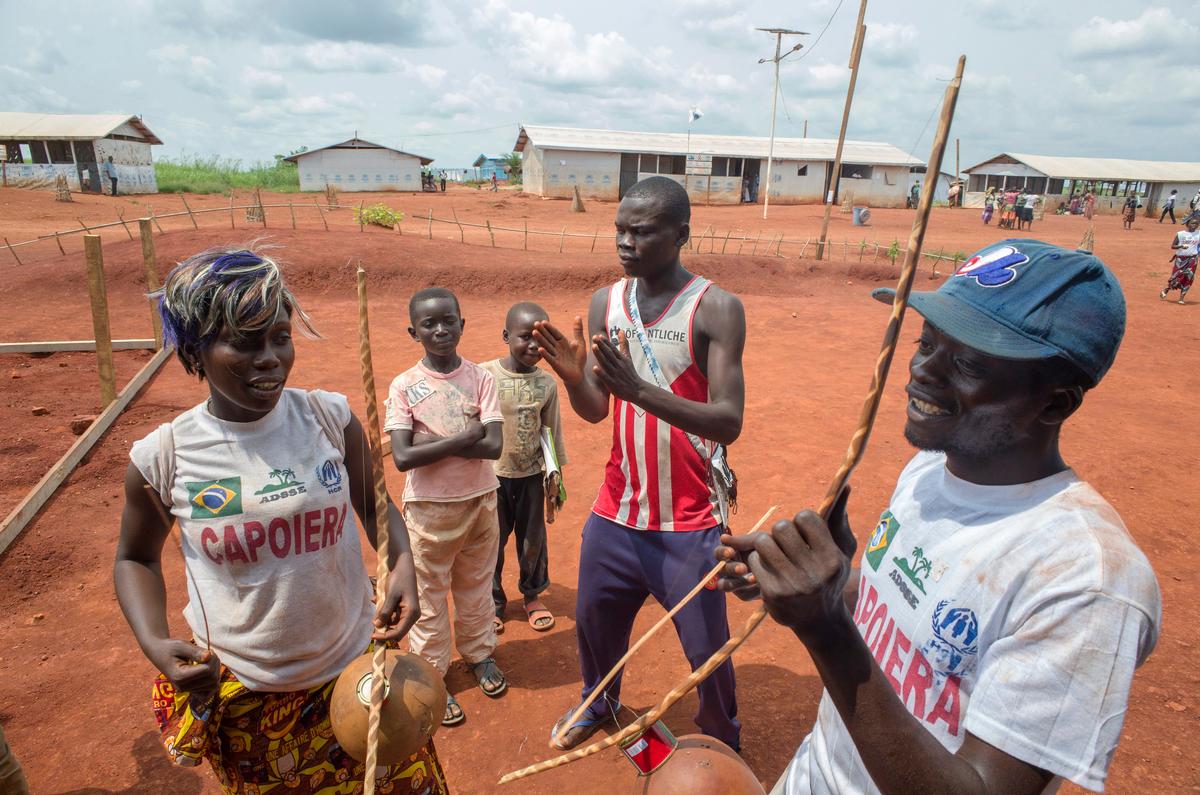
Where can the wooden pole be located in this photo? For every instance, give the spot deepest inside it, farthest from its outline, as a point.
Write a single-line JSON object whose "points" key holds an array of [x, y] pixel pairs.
{"points": [[562, 239], [431, 223], [153, 218], [149, 260], [374, 441], [360, 215], [599, 688], [957, 173], [189, 212], [526, 235], [13, 251], [854, 452], [292, 210], [231, 226], [462, 236], [754, 250], [121, 218], [61, 250], [321, 213], [491, 234], [99, 300], [85, 226], [596, 235], [860, 32], [262, 211], [726, 243]]}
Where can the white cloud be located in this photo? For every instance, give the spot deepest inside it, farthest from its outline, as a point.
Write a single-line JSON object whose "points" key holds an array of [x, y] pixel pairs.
{"points": [[24, 92], [353, 57], [1007, 14], [264, 85], [549, 52], [197, 72], [44, 55], [131, 85], [733, 30], [1157, 30], [891, 44], [706, 5]]}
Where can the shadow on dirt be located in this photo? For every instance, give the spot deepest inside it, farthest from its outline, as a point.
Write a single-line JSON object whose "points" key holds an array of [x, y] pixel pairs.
{"points": [[155, 773]]}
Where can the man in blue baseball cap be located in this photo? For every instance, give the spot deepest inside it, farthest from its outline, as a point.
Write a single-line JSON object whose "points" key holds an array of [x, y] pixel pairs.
{"points": [[986, 641]]}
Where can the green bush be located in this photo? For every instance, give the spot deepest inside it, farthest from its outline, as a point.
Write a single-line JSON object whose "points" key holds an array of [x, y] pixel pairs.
{"points": [[194, 174], [379, 215]]}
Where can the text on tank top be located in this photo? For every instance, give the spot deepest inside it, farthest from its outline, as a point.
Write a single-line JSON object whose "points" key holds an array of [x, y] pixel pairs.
{"points": [[655, 479]]}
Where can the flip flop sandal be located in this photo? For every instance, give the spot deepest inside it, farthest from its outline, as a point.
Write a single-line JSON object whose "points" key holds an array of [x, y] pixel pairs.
{"points": [[454, 712], [589, 725], [539, 613], [498, 625], [488, 670]]}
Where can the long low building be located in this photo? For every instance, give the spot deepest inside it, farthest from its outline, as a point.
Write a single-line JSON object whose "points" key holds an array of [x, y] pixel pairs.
{"points": [[40, 146], [359, 165], [1110, 179], [715, 169]]}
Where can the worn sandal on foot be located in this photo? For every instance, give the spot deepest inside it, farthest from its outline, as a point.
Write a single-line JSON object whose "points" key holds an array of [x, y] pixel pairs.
{"points": [[454, 714], [578, 732], [540, 618], [487, 671]]}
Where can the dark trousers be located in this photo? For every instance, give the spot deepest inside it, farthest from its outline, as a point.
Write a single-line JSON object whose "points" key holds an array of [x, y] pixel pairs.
{"points": [[114, 185], [521, 506], [1166, 210], [618, 569]]}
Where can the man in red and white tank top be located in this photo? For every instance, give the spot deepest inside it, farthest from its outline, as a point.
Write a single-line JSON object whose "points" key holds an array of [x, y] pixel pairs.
{"points": [[655, 522]]}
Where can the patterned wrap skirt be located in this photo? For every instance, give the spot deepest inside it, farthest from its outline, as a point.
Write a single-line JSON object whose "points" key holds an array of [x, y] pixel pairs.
{"points": [[263, 743], [1183, 274]]}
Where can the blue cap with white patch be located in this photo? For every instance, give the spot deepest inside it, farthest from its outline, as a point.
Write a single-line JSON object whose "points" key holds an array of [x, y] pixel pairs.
{"points": [[1025, 299]]}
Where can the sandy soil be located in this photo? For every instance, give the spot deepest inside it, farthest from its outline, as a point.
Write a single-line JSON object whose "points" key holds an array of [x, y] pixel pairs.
{"points": [[74, 685]]}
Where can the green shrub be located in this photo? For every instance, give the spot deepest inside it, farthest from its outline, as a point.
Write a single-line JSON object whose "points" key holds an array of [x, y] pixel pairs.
{"points": [[379, 215]]}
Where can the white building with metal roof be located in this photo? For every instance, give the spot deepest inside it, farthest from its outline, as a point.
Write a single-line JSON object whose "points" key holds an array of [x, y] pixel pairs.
{"points": [[37, 147], [715, 169], [359, 165], [1110, 179]]}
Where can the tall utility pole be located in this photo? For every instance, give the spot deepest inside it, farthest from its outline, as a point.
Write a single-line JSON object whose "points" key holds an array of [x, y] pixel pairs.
{"points": [[779, 34], [860, 33], [958, 174]]}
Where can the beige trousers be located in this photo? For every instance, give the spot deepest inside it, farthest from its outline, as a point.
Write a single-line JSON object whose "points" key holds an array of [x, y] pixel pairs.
{"points": [[12, 779], [454, 546]]}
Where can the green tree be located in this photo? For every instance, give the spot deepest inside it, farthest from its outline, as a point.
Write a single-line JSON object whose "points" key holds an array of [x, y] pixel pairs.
{"points": [[512, 164]]}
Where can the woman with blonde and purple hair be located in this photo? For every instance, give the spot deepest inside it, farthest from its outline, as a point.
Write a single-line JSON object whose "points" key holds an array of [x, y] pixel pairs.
{"points": [[266, 483]]}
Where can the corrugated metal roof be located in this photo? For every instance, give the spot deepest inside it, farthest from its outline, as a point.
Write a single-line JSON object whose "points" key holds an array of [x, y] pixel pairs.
{"points": [[860, 152], [1105, 168], [357, 143], [67, 127]]}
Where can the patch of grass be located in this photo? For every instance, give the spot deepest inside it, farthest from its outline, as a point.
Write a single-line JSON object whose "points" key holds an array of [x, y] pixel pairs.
{"points": [[214, 174]]}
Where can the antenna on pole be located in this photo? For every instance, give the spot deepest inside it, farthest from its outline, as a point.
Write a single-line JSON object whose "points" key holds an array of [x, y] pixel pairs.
{"points": [[779, 34]]}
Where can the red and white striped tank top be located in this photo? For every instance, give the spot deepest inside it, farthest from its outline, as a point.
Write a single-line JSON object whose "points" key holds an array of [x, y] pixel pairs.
{"points": [[655, 479]]}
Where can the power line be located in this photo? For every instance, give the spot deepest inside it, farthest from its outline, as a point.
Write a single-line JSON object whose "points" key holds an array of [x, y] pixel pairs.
{"points": [[817, 40]]}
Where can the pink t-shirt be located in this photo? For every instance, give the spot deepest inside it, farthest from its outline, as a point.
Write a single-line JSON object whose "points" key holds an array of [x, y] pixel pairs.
{"points": [[425, 401]]}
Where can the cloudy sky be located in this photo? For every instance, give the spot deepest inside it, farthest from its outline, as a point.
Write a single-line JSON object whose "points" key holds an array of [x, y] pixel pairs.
{"points": [[451, 79]]}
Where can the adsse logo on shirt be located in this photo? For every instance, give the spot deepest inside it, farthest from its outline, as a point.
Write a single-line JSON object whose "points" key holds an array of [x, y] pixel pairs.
{"points": [[287, 486]]}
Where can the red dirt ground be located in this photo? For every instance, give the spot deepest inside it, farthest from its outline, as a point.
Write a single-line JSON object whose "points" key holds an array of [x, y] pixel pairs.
{"points": [[73, 684]]}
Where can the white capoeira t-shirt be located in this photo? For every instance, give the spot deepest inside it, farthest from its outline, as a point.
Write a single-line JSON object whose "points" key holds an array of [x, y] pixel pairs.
{"points": [[270, 538], [1015, 613]]}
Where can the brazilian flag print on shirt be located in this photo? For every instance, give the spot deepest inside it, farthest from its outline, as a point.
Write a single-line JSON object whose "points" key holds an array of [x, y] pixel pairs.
{"points": [[213, 498], [881, 539]]}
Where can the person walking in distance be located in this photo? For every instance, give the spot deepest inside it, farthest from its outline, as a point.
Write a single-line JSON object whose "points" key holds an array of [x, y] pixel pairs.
{"points": [[1169, 207], [1185, 248]]}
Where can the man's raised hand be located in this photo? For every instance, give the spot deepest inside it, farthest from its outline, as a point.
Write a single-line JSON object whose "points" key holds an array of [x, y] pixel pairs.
{"points": [[799, 569], [566, 357], [615, 368]]}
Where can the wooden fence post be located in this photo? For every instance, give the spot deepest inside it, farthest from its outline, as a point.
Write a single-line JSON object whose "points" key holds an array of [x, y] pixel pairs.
{"points": [[99, 300], [562, 239], [462, 236], [148, 259], [360, 215], [726, 243], [85, 226], [292, 210], [491, 234], [61, 250], [526, 235], [13, 251], [231, 226], [430, 223], [189, 212], [262, 211], [594, 240], [121, 218], [321, 213], [756, 239], [153, 217]]}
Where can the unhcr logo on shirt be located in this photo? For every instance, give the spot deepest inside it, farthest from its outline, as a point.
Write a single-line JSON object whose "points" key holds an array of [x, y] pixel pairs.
{"points": [[213, 498], [329, 475]]}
